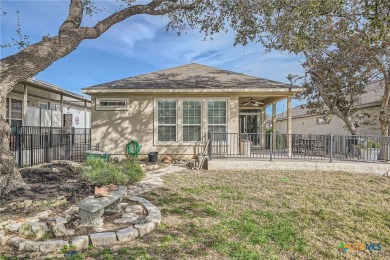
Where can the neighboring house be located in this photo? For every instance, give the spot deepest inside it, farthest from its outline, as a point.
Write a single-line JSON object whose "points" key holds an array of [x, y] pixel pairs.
{"points": [[37, 103], [170, 111], [305, 123]]}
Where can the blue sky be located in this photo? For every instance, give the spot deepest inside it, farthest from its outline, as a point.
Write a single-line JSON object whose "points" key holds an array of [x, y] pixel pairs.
{"points": [[136, 46]]}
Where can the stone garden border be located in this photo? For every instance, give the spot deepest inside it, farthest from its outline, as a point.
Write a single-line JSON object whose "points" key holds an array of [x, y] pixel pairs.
{"points": [[82, 242]]}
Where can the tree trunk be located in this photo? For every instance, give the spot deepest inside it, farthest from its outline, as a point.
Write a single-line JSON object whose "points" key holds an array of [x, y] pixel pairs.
{"points": [[16, 68], [10, 178], [349, 124], [384, 119]]}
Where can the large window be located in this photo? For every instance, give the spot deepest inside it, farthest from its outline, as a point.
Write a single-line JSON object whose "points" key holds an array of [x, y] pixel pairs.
{"points": [[217, 116], [217, 119], [192, 120], [185, 121], [166, 121]]}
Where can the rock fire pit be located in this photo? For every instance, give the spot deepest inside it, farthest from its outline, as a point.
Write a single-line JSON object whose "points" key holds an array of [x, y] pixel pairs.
{"points": [[35, 234]]}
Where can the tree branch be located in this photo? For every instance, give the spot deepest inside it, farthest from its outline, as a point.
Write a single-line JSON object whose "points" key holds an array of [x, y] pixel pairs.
{"points": [[74, 18], [151, 9]]}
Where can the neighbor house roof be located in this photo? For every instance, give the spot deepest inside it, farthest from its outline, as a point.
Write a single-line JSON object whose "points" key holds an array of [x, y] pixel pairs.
{"points": [[52, 88], [191, 76], [372, 97]]}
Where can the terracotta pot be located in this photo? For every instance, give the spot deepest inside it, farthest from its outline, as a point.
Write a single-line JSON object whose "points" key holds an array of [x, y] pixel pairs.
{"points": [[101, 192]]}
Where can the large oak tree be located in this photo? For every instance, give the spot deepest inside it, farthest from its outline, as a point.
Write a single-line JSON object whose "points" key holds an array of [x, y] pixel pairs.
{"points": [[208, 16]]}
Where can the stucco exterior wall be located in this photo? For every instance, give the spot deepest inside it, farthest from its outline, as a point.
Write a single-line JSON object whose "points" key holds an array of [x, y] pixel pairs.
{"points": [[113, 129], [308, 125]]}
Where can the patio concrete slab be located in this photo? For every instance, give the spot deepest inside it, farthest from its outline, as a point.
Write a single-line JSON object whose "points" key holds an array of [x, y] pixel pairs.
{"points": [[288, 164]]}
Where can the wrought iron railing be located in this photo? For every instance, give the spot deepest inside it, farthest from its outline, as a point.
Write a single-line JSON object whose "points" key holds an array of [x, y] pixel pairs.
{"points": [[35, 145], [298, 146]]}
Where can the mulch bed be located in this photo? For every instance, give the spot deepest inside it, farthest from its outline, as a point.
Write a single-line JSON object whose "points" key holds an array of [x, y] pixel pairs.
{"points": [[47, 183]]}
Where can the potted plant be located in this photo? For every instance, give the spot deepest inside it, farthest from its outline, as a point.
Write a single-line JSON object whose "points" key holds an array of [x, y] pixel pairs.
{"points": [[370, 150]]}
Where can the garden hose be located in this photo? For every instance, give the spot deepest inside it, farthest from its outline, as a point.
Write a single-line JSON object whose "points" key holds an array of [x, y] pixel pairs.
{"points": [[133, 149]]}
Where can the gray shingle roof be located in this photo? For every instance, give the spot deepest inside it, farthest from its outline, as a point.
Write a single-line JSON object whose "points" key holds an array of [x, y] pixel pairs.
{"points": [[190, 76]]}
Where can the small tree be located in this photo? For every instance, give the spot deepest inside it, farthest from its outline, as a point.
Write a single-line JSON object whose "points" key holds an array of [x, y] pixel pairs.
{"points": [[335, 81]]}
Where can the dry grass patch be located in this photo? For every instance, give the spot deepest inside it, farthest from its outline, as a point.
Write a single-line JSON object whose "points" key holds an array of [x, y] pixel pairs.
{"points": [[268, 215]]}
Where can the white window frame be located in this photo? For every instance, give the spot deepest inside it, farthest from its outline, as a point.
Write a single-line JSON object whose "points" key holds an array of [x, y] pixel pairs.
{"points": [[8, 116], [156, 124], [179, 118], [227, 113], [201, 121], [44, 103], [113, 99]]}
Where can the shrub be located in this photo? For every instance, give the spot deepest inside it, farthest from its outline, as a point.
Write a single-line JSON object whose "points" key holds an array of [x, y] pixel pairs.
{"points": [[104, 173], [133, 170]]}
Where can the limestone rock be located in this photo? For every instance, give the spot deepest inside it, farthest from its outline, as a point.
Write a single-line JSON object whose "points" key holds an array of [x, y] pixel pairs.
{"points": [[15, 241], [4, 237], [52, 245], [145, 228], [103, 239], [28, 245], [36, 230], [152, 167], [13, 227], [44, 214], [127, 234], [81, 242], [137, 209]]}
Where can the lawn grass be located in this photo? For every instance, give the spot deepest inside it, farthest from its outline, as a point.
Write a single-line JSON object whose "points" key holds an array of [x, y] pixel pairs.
{"points": [[265, 215]]}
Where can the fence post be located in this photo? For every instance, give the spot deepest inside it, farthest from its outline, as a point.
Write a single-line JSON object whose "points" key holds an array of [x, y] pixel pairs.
{"points": [[210, 151], [73, 132], [271, 146], [51, 137], [68, 146], [31, 149], [45, 147], [90, 139], [16, 141], [331, 148]]}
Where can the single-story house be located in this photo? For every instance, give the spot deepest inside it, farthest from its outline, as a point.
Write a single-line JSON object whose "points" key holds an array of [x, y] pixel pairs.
{"points": [[304, 122], [171, 111], [41, 104]]}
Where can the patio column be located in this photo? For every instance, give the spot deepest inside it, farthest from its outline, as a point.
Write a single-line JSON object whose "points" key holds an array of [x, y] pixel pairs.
{"points": [[274, 125], [263, 126], [289, 126], [85, 114], [25, 103], [62, 111]]}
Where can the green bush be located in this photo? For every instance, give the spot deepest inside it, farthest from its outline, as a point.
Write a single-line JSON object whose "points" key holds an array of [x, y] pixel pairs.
{"points": [[134, 171], [104, 173]]}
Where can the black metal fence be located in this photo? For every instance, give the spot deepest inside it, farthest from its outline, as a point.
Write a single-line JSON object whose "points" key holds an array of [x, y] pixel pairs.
{"points": [[35, 145], [319, 147]]}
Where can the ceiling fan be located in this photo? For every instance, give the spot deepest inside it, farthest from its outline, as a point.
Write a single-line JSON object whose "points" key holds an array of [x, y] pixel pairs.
{"points": [[252, 102]]}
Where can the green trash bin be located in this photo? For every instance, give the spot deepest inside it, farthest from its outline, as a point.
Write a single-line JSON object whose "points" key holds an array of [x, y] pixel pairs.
{"points": [[98, 154], [105, 157]]}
